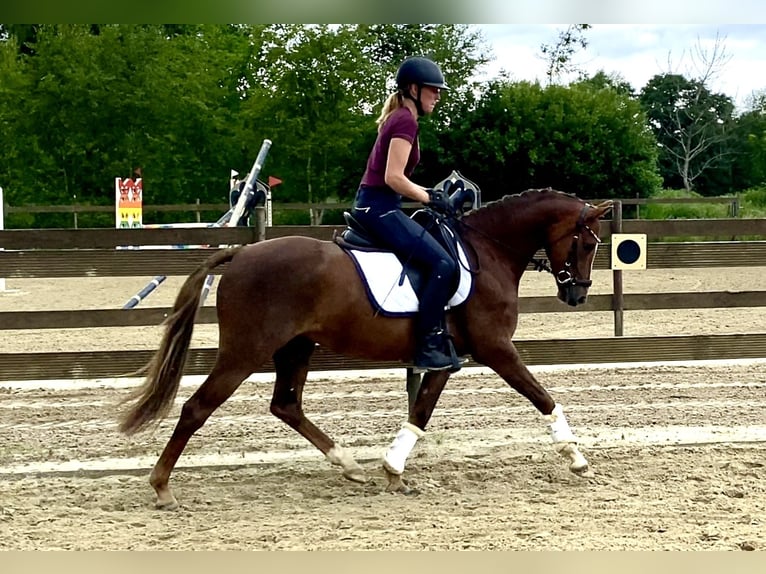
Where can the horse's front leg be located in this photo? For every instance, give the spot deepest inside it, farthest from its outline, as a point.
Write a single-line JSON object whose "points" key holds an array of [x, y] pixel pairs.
{"points": [[504, 359], [396, 456]]}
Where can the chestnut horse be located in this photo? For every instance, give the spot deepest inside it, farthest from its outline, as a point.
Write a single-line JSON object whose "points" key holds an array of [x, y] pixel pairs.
{"points": [[279, 298]]}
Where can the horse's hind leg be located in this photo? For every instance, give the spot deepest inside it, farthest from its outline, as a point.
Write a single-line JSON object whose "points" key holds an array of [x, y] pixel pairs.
{"points": [[291, 363], [220, 384], [420, 413]]}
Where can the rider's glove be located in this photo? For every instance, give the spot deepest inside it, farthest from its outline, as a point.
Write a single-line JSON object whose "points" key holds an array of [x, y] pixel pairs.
{"points": [[439, 201]]}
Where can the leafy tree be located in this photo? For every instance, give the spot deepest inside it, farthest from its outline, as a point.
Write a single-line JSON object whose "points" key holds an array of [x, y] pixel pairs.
{"points": [[460, 53], [95, 103], [305, 98], [691, 124], [560, 55], [321, 87], [749, 165], [592, 142], [602, 80]]}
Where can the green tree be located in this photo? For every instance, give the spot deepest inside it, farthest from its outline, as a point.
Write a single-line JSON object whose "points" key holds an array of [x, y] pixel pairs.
{"points": [[602, 80], [592, 142], [749, 165], [304, 95], [460, 52], [560, 55], [320, 88], [94, 103], [691, 124]]}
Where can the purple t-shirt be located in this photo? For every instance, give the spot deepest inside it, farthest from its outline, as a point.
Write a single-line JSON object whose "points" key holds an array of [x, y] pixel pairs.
{"points": [[400, 124]]}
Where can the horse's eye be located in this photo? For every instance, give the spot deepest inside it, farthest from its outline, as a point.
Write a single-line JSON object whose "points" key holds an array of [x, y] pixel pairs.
{"points": [[588, 247]]}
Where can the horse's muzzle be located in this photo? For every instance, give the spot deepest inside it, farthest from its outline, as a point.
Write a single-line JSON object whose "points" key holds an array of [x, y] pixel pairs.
{"points": [[573, 295], [572, 291]]}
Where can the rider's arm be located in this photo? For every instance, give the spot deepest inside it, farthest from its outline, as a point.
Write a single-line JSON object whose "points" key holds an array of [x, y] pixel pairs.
{"points": [[398, 153]]}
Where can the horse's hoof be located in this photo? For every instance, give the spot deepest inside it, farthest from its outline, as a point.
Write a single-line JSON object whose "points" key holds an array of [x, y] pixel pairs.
{"points": [[582, 471], [402, 489], [171, 504], [397, 486], [356, 475]]}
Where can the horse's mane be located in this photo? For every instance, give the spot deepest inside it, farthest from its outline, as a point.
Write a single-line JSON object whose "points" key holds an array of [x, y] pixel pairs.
{"points": [[506, 204], [530, 195]]}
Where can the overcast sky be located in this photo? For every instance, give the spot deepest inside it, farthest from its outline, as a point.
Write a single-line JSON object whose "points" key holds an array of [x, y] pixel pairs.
{"points": [[638, 52]]}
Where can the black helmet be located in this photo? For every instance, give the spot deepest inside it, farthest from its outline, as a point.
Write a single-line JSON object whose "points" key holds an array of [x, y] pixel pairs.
{"points": [[420, 71]]}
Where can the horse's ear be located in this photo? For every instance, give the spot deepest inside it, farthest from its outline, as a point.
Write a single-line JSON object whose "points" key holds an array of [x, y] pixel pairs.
{"points": [[603, 208]]}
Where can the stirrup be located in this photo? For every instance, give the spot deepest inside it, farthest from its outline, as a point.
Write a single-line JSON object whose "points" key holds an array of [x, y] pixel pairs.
{"points": [[451, 362], [457, 362]]}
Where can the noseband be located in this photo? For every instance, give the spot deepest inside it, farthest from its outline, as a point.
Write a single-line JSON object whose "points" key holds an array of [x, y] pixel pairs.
{"points": [[565, 278]]}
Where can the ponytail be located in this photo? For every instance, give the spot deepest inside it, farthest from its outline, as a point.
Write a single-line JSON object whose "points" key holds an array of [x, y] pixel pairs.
{"points": [[392, 103]]}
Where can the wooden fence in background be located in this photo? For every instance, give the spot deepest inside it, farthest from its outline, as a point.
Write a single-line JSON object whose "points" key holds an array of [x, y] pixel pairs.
{"points": [[52, 253], [199, 208]]}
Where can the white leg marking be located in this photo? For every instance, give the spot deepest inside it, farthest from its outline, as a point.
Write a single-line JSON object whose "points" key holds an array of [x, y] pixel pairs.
{"points": [[565, 443], [338, 456], [401, 447], [560, 431]]}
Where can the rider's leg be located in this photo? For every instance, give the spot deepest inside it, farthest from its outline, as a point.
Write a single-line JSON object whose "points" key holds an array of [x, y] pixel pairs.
{"points": [[415, 246], [433, 345]]}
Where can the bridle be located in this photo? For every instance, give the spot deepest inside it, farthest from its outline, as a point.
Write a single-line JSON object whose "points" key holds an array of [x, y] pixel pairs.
{"points": [[565, 277]]}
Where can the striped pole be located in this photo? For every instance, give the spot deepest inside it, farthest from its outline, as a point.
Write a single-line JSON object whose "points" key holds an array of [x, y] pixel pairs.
{"points": [[228, 219], [143, 293], [206, 288], [239, 209]]}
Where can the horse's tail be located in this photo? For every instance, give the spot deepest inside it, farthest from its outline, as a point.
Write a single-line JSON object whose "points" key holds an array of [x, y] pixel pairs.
{"points": [[154, 398]]}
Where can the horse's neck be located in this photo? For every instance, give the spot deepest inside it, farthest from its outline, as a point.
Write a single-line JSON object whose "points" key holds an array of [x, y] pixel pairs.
{"points": [[518, 225]]}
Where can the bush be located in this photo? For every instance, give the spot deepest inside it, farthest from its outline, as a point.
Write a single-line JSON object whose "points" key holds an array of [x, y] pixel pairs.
{"points": [[700, 210], [754, 202]]}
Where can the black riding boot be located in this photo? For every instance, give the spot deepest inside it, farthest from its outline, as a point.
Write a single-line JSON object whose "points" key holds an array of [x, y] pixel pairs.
{"points": [[437, 353]]}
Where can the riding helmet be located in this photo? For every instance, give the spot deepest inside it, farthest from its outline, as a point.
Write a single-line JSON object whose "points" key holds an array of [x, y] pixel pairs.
{"points": [[420, 71]]}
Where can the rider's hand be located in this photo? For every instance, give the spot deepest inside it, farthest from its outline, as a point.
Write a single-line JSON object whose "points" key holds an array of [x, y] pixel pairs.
{"points": [[439, 201]]}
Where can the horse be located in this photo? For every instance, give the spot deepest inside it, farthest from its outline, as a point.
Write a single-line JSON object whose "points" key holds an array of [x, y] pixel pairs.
{"points": [[280, 298]]}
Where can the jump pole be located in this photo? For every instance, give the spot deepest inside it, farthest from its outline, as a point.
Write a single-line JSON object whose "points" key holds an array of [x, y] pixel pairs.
{"points": [[228, 219], [239, 209]]}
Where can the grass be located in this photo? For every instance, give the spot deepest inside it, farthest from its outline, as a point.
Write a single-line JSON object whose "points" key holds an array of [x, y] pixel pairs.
{"points": [[752, 205], [753, 202]]}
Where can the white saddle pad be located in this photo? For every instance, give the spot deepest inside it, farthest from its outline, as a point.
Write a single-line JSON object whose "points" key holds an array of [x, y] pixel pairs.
{"points": [[381, 272]]}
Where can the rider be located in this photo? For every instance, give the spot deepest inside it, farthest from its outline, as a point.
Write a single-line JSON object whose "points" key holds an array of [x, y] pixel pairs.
{"points": [[378, 201]]}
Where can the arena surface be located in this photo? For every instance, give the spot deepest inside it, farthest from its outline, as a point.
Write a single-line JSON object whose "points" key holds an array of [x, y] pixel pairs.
{"points": [[677, 449]]}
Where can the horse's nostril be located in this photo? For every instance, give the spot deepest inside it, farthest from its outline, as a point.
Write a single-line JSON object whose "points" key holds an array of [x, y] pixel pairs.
{"points": [[582, 299]]}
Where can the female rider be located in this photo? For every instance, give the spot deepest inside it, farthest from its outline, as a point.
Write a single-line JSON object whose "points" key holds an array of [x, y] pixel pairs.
{"points": [[378, 202]]}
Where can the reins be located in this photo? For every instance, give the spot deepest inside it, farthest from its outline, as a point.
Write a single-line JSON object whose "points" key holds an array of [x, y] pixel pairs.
{"points": [[563, 277], [538, 264]]}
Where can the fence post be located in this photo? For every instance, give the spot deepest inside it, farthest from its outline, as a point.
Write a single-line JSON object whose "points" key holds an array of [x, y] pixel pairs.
{"points": [[2, 220], [260, 223], [617, 295]]}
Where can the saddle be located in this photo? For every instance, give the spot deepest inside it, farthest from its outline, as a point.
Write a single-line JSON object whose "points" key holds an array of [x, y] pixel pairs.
{"points": [[393, 286]]}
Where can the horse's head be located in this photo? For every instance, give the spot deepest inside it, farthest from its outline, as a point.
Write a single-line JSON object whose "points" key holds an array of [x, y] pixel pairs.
{"points": [[571, 247]]}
